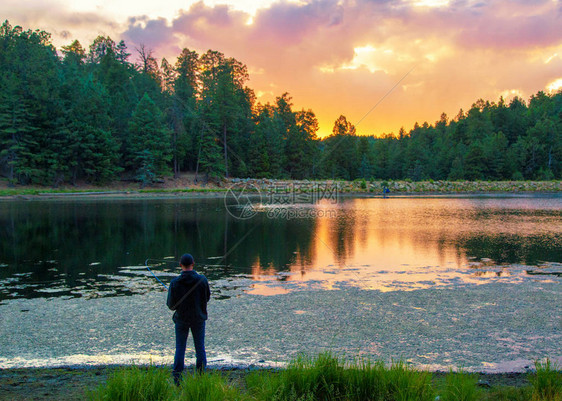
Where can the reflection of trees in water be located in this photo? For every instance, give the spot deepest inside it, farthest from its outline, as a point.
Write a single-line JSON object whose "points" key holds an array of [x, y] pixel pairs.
{"points": [[39, 237], [511, 248], [503, 242], [277, 245], [342, 234]]}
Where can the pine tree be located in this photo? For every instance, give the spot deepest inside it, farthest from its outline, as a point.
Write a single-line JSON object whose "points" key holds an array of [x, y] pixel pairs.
{"points": [[93, 151], [183, 112], [29, 84], [18, 146], [150, 142], [210, 156], [223, 99], [116, 76], [474, 162]]}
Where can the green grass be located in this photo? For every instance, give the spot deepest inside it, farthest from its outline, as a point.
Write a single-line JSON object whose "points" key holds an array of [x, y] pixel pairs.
{"points": [[368, 381], [304, 379], [547, 382], [506, 393], [325, 378], [156, 384], [173, 190], [461, 386], [208, 387], [37, 191], [136, 384]]}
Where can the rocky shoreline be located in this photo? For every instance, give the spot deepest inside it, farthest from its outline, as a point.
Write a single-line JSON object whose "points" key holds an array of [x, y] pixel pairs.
{"points": [[401, 186], [187, 188]]}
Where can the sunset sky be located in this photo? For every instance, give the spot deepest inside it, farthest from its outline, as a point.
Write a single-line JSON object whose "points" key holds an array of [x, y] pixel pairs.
{"points": [[339, 56]]}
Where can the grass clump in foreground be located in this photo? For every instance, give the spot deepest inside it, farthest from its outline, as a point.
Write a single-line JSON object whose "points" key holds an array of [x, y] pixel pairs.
{"points": [[326, 378], [156, 384], [208, 387], [135, 384], [547, 382], [461, 386]]}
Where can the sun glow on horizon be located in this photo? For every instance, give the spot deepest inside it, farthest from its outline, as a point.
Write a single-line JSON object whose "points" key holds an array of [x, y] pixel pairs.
{"points": [[509, 94], [555, 85]]}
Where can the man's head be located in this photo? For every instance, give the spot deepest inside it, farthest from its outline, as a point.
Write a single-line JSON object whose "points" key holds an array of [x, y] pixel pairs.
{"points": [[187, 262]]}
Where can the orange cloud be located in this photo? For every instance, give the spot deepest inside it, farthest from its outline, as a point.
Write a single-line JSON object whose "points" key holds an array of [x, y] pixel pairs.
{"points": [[342, 57]]}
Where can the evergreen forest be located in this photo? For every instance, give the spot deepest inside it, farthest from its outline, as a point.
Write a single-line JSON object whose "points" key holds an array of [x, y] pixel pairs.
{"points": [[78, 114]]}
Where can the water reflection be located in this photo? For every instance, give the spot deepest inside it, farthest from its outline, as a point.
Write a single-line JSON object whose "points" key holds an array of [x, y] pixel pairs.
{"points": [[97, 248]]}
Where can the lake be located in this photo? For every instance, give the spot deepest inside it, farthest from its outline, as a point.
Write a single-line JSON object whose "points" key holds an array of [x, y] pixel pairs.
{"points": [[436, 281]]}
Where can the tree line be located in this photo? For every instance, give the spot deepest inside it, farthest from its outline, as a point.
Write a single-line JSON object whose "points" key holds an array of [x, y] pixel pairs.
{"points": [[93, 115]]}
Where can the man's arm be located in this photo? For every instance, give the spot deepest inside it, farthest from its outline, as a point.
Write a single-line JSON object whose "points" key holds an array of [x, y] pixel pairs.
{"points": [[208, 290], [172, 305]]}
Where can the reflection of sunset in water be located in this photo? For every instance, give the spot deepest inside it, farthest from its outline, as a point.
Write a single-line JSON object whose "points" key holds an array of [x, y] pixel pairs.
{"points": [[262, 289], [400, 244]]}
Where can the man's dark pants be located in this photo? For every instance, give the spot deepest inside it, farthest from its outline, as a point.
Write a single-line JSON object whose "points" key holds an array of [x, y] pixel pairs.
{"points": [[198, 333]]}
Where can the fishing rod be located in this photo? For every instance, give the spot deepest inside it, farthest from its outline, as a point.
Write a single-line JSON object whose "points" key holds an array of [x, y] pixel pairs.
{"points": [[151, 272]]}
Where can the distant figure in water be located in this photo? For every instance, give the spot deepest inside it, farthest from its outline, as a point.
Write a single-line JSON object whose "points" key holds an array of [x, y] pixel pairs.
{"points": [[188, 295]]}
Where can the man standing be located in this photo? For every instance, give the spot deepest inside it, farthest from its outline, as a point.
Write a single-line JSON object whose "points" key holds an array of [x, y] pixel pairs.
{"points": [[188, 295]]}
